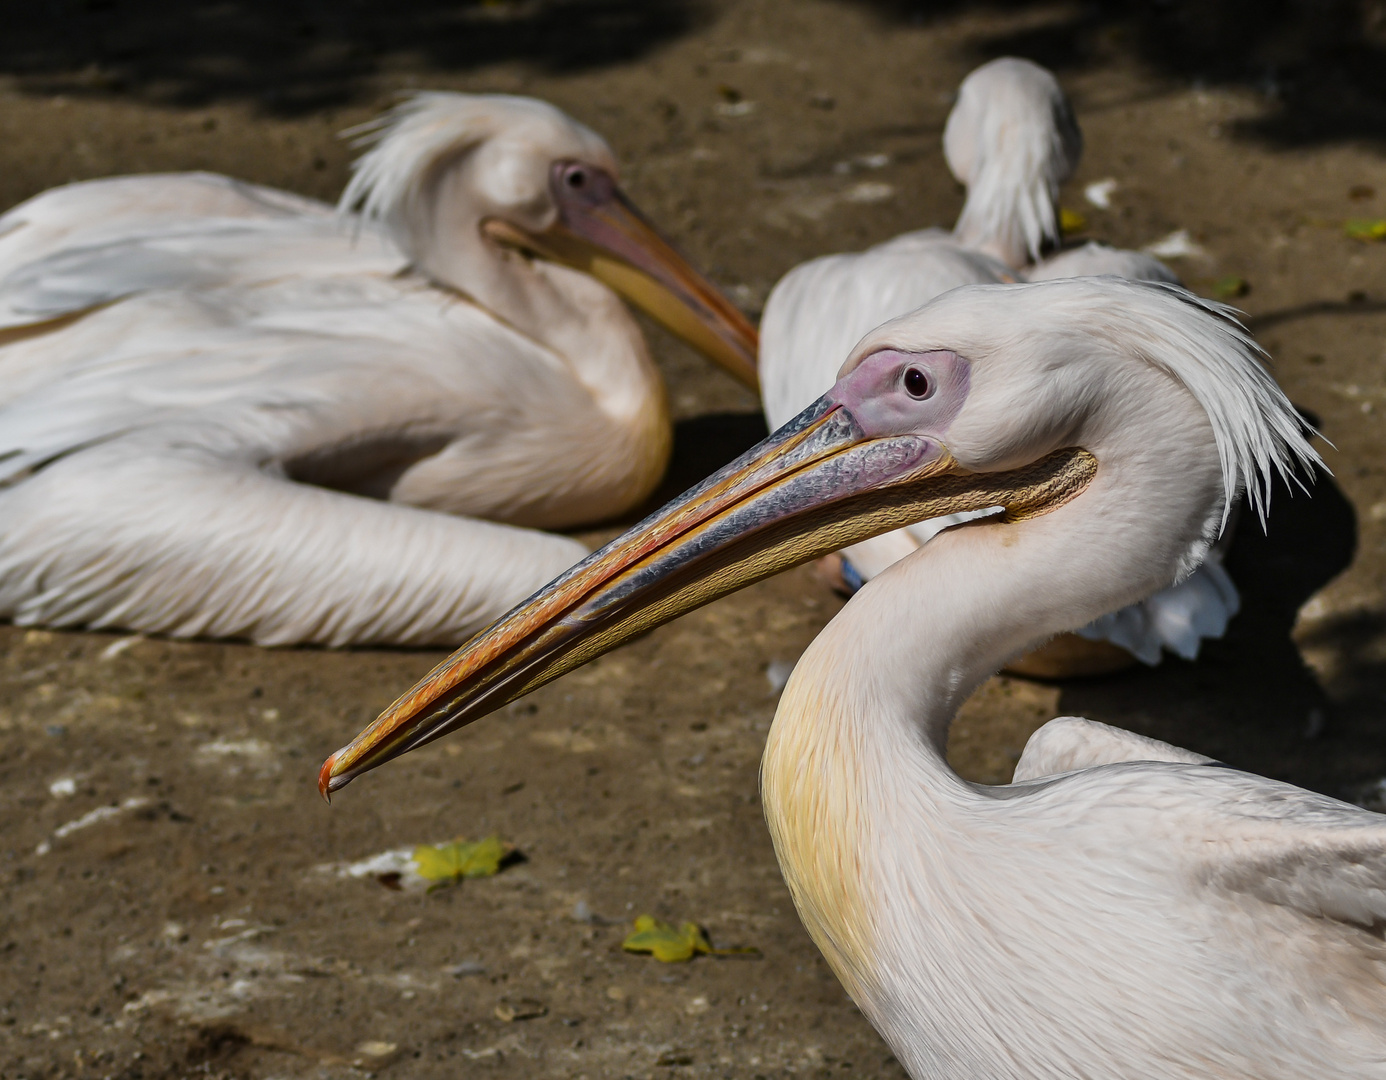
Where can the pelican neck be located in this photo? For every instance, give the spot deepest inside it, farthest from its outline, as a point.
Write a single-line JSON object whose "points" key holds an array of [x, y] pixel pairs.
{"points": [[855, 782], [579, 320]]}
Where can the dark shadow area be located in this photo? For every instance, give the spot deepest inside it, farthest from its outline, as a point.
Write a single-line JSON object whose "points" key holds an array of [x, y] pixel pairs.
{"points": [[702, 445], [295, 55], [1321, 64], [1358, 305], [1250, 700]]}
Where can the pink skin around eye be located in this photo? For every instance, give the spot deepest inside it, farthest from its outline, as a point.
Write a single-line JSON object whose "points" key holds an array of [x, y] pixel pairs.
{"points": [[873, 392]]}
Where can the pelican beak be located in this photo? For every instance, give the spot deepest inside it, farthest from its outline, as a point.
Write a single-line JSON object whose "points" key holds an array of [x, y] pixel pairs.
{"points": [[815, 486], [600, 232]]}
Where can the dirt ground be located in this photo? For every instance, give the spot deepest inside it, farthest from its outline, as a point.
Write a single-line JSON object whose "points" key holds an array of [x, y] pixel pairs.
{"points": [[177, 900]]}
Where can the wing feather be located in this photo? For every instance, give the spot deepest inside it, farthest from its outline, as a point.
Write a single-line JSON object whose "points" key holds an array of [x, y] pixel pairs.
{"points": [[183, 543], [200, 255]]}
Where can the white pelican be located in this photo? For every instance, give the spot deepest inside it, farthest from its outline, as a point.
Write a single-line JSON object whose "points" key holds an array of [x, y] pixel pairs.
{"points": [[1012, 139], [1140, 913], [200, 379]]}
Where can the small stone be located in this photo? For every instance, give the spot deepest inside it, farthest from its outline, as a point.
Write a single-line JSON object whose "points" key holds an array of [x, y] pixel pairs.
{"points": [[777, 673], [520, 1009], [870, 191], [376, 1050]]}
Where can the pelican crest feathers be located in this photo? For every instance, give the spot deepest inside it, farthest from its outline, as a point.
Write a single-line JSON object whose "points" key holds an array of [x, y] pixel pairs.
{"points": [[410, 145], [1207, 347]]}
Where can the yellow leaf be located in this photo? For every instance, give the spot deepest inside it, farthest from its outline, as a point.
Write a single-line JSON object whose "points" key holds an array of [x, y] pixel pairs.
{"points": [[671, 946], [445, 863], [663, 942], [1366, 228], [1070, 221]]}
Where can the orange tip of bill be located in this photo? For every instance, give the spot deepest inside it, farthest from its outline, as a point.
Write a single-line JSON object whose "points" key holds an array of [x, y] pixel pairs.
{"points": [[325, 778]]}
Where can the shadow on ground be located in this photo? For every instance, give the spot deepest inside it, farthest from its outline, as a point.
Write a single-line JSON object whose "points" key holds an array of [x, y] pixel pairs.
{"points": [[1318, 62], [702, 445], [296, 55]]}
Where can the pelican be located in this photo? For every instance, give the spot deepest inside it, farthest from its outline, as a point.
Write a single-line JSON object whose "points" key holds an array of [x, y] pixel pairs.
{"points": [[228, 411], [1012, 139], [1125, 908]]}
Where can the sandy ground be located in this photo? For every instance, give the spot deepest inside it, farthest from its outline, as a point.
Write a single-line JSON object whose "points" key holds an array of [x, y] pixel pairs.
{"points": [[176, 899]]}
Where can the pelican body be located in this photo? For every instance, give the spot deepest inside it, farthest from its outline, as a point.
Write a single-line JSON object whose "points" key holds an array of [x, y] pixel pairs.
{"points": [[228, 411], [1124, 908]]}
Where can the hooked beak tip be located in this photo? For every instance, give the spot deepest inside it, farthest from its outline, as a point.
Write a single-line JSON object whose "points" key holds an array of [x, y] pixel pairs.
{"points": [[327, 783]]}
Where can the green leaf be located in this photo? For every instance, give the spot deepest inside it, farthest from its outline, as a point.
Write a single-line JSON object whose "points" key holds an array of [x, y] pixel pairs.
{"points": [[446, 863], [671, 946], [1366, 228], [1230, 287]]}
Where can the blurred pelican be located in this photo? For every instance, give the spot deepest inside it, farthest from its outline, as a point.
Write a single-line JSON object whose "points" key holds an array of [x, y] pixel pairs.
{"points": [[1012, 139], [227, 411], [1126, 908]]}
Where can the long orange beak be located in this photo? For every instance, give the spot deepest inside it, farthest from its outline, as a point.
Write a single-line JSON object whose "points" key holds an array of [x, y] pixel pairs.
{"points": [[815, 486], [600, 232]]}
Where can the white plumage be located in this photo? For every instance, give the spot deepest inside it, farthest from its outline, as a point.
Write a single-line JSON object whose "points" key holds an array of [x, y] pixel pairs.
{"points": [[190, 365], [1093, 259], [1124, 908], [1012, 139]]}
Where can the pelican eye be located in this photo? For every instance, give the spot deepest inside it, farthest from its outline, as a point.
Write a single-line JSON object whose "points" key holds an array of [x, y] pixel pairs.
{"points": [[917, 384], [576, 178]]}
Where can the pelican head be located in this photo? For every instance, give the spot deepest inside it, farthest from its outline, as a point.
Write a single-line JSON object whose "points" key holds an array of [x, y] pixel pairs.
{"points": [[1004, 396], [1012, 140], [459, 179]]}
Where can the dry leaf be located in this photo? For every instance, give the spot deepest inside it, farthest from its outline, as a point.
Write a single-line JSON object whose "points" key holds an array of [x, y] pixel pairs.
{"points": [[671, 946]]}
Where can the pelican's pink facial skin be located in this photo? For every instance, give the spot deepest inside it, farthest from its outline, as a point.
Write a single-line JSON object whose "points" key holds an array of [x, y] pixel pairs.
{"points": [[875, 393]]}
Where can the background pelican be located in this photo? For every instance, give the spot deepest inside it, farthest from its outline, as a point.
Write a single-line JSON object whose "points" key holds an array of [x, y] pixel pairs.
{"points": [[1142, 913], [189, 363], [1012, 139]]}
